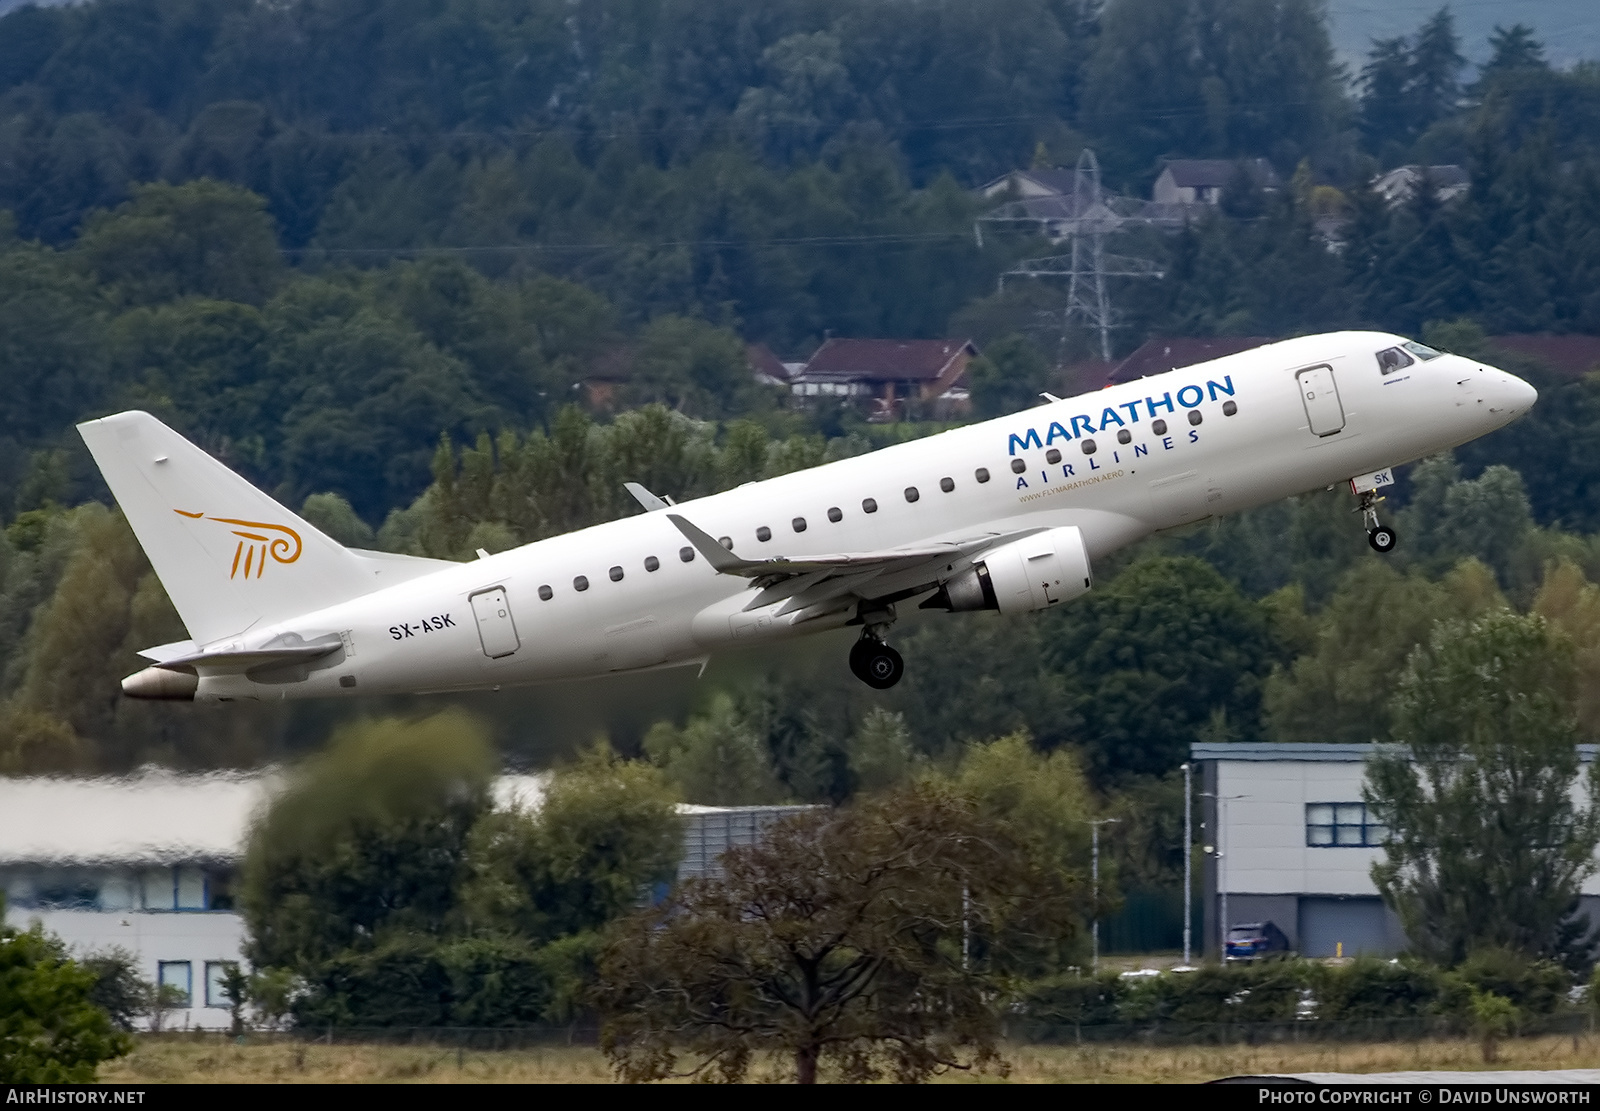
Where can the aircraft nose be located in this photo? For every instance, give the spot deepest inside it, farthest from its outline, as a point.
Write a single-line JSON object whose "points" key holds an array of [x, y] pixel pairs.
{"points": [[1522, 393]]}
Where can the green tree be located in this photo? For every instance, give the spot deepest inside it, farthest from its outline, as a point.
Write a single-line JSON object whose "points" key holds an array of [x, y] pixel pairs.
{"points": [[1167, 653], [1045, 801], [1210, 79], [119, 990], [717, 759], [51, 343], [366, 839], [880, 752], [1007, 377], [203, 238], [1486, 518], [836, 943], [1339, 691], [1488, 845], [1408, 84], [692, 367], [333, 515], [605, 830], [51, 1031]]}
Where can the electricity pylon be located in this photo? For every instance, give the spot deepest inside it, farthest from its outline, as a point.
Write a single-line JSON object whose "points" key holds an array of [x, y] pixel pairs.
{"points": [[1084, 219]]}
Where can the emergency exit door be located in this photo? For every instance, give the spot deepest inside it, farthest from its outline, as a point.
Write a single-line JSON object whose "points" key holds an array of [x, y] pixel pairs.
{"points": [[1320, 395], [495, 628]]}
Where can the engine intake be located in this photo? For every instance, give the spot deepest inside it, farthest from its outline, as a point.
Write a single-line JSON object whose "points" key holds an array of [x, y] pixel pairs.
{"points": [[1033, 573]]}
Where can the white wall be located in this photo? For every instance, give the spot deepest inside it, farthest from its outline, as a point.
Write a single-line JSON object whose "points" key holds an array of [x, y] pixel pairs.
{"points": [[1264, 832], [196, 937], [1263, 839]]}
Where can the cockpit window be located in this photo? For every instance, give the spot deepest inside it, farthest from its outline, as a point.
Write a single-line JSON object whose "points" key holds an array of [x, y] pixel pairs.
{"points": [[1391, 359], [1422, 350]]}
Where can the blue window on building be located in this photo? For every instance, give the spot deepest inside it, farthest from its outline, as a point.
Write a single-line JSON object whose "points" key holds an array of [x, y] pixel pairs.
{"points": [[1336, 825], [178, 976]]}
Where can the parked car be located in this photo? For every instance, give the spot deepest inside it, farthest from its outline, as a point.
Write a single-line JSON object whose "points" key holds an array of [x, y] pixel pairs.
{"points": [[1248, 941]]}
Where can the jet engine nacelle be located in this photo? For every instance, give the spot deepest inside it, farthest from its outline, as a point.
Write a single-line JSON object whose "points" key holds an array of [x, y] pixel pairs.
{"points": [[1033, 573]]}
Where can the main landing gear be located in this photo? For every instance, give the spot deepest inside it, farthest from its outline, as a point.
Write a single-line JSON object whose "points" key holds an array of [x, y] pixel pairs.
{"points": [[1381, 537], [875, 663], [871, 660]]}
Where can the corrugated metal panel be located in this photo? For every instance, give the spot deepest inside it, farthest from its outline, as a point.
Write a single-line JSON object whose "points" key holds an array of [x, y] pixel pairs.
{"points": [[709, 833]]}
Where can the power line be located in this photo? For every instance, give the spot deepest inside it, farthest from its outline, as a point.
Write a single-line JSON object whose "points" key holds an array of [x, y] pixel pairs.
{"points": [[665, 244]]}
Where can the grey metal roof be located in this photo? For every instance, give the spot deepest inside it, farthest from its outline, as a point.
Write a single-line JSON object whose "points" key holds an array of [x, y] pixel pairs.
{"points": [[1259, 751], [1256, 750]]}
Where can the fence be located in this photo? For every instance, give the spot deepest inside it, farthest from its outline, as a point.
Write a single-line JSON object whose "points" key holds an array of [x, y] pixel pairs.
{"points": [[1164, 1032], [1168, 1032]]}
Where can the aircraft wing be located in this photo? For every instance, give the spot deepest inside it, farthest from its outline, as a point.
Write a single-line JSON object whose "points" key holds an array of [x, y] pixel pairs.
{"points": [[818, 582]]}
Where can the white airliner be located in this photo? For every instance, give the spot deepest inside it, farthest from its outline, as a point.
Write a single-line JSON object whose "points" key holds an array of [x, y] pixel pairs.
{"points": [[1006, 515]]}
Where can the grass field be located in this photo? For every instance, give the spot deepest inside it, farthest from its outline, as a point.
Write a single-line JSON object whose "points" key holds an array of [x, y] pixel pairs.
{"points": [[215, 1059]]}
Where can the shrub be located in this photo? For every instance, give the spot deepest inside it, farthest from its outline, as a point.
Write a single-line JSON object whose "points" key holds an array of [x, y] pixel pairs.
{"points": [[1533, 987], [1073, 999], [1373, 989], [50, 1031]]}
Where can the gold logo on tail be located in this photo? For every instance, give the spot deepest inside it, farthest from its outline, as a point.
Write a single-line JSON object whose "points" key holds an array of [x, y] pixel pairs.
{"points": [[250, 554]]}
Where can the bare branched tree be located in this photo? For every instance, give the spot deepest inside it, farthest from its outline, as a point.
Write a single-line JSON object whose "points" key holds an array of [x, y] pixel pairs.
{"points": [[863, 941]]}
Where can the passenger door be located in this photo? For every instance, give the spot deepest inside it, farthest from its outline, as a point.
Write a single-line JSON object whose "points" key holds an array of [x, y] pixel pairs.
{"points": [[1320, 395], [496, 630]]}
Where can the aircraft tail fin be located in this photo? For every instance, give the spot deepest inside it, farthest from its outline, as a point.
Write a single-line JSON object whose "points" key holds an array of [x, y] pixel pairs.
{"points": [[230, 557]]}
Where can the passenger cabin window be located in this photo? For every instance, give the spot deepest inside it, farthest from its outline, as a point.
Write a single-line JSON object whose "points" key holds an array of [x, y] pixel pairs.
{"points": [[1229, 408], [798, 524], [651, 563], [763, 534], [1124, 436], [616, 574], [1194, 416], [1088, 447], [1391, 359], [868, 505], [686, 554], [836, 514], [1052, 456], [545, 594], [981, 474], [580, 583], [911, 493], [1159, 427], [1421, 350], [726, 542], [947, 484], [1018, 466]]}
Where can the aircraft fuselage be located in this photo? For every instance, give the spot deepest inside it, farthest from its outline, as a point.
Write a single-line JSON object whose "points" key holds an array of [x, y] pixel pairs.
{"points": [[1117, 464]]}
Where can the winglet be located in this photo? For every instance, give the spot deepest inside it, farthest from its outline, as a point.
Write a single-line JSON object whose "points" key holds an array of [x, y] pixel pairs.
{"points": [[721, 560], [645, 498]]}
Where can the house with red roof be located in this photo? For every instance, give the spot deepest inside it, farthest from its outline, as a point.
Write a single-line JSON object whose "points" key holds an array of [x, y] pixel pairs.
{"points": [[889, 375]]}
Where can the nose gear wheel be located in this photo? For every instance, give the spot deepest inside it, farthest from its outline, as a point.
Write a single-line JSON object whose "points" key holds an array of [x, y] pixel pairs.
{"points": [[1381, 537]]}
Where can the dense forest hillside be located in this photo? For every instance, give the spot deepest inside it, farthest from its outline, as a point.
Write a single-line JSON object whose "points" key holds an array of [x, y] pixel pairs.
{"points": [[369, 252]]}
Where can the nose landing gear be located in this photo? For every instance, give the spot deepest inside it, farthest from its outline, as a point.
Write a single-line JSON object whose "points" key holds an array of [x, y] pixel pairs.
{"points": [[1381, 537]]}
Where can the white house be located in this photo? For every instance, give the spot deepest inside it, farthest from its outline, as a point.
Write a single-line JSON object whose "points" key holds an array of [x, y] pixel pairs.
{"points": [[1287, 839], [1400, 184], [150, 863], [1203, 180]]}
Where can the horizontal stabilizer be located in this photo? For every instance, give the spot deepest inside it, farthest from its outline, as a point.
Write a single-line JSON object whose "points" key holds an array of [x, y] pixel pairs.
{"points": [[225, 663]]}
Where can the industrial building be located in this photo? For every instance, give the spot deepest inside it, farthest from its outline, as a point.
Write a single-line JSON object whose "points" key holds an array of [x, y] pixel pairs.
{"points": [[1287, 839], [150, 863]]}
